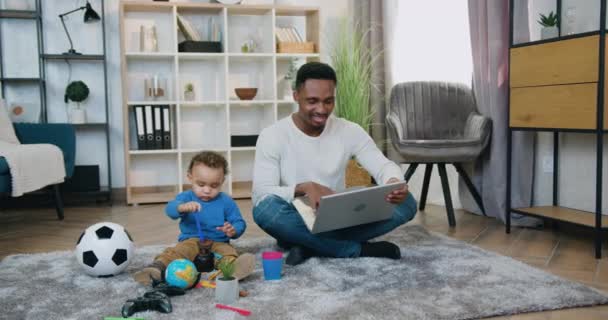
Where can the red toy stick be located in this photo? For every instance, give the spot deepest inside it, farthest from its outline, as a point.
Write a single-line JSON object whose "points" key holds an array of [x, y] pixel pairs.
{"points": [[242, 312]]}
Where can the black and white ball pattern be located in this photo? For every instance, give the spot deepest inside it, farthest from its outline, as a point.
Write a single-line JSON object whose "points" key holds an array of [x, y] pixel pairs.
{"points": [[104, 249]]}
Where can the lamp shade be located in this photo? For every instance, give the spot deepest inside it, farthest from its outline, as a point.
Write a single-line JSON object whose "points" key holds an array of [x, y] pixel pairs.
{"points": [[90, 15]]}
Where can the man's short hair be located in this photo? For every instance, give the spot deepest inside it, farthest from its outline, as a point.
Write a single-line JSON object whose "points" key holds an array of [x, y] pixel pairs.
{"points": [[315, 70], [210, 159]]}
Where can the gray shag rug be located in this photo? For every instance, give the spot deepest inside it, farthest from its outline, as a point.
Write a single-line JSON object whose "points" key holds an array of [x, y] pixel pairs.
{"points": [[437, 278]]}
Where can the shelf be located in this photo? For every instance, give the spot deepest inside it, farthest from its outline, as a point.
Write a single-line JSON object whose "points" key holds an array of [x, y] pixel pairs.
{"points": [[249, 102], [200, 55], [18, 14], [22, 79], [240, 56], [88, 57], [242, 148], [295, 12], [149, 55], [197, 150], [150, 103], [580, 217], [201, 103], [241, 189], [286, 101], [288, 56], [152, 197], [83, 126], [151, 152]]}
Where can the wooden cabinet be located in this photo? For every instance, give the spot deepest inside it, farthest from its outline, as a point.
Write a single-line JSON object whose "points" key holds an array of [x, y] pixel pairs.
{"points": [[559, 85]]}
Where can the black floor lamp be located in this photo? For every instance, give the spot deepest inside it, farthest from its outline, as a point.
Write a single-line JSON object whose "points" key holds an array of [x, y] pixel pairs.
{"points": [[89, 16]]}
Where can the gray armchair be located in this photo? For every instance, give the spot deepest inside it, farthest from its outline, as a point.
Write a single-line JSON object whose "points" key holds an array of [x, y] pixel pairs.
{"points": [[437, 123]]}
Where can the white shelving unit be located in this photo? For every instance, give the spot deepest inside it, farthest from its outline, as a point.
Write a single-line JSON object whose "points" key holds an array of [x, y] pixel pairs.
{"points": [[217, 114]]}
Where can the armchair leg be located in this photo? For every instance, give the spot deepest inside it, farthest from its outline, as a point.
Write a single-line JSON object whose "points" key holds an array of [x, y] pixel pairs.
{"points": [[463, 174], [446, 194], [425, 185], [58, 201], [410, 171]]}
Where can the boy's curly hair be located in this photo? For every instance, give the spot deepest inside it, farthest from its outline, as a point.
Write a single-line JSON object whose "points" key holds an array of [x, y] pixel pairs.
{"points": [[210, 159]]}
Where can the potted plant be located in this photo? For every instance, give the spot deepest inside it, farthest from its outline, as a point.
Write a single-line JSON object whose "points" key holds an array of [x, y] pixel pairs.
{"points": [[189, 92], [289, 81], [226, 286], [353, 64], [77, 91], [549, 23]]}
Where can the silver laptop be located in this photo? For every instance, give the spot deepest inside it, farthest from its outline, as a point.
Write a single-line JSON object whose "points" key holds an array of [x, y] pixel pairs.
{"points": [[350, 208]]}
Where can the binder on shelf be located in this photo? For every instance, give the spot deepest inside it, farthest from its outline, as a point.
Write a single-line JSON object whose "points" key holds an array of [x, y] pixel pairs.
{"points": [[149, 120], [158, 128], [140, 129], [166, 127]]}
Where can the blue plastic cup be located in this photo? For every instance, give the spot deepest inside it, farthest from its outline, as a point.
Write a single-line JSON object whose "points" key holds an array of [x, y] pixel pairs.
{"points": [[272, 262]]}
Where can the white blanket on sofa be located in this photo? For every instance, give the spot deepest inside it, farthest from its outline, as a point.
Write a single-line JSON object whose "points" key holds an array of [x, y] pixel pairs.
{"points": [[33, 166]]}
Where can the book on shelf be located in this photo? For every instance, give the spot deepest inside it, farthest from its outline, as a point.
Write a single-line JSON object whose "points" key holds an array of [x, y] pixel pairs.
{"points": [[153, 129], [166, 127], [140, 129], [158, 128]]}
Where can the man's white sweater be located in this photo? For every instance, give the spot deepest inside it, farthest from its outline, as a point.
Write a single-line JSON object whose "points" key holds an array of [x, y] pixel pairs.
{"points": [[286, 156]]}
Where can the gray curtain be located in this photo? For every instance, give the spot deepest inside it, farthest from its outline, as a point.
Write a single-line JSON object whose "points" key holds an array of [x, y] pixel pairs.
{"points": [[489, 24], [368, 15]]}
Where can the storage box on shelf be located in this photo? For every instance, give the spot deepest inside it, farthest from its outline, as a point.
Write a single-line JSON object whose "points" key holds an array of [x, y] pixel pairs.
{"points": [[207, 113]]}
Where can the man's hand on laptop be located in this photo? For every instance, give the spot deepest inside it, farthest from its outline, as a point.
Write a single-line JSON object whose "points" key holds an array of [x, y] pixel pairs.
{"points": [[396, 196], [313, 191]]}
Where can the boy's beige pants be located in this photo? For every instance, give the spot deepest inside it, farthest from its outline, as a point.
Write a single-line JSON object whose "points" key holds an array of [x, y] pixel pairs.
{"points": [[190, 248]]}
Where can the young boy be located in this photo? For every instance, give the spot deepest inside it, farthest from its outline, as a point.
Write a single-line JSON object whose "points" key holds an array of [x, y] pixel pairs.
{"points": [[220, 220]]}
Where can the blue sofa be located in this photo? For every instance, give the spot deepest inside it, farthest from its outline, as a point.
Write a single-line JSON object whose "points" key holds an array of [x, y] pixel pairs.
{"points": [[60, 134]]}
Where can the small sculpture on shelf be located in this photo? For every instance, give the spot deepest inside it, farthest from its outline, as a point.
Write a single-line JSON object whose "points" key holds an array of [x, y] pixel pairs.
{"points": [[249, 46], [77, 91], [155, 87], [148, 39], [189, 92], [549, 23]]}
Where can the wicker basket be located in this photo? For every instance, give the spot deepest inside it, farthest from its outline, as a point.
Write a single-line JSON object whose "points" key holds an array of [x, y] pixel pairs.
{"points": [[357, 175], [295, 47]]}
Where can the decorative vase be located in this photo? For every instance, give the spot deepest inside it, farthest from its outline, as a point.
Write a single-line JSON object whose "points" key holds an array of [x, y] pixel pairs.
{"points": [[148, 40], [189, 95], [78, 116], [548, 33], [356, 175], [226, 291]]}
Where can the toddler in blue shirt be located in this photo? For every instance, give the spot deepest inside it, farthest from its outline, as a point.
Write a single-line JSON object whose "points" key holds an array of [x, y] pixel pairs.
{"points": [[209, 210]]}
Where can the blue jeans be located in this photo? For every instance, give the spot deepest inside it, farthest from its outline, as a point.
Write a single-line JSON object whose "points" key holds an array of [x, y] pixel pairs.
{"points": [[280, 219]]}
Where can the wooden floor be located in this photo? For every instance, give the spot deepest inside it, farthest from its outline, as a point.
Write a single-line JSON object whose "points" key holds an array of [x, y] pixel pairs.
{"points": [[564, 252]]}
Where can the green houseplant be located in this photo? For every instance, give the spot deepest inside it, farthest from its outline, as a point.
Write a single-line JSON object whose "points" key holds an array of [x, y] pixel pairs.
{"points": [[353, 63], [189, 92], [289, 81], [226, 286], [77, 91], [549, 23]]}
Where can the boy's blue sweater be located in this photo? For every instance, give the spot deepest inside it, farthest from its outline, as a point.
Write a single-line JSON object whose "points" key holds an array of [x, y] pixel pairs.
{"points": [[212, 215]]}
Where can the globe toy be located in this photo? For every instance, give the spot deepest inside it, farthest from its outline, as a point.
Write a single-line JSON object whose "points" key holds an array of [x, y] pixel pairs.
{"points": [[104, 249], [181, 273]]}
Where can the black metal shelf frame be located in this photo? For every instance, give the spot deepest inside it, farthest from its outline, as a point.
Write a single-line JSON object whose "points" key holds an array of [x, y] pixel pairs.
{"points": [[43, 58], [599, 131]]}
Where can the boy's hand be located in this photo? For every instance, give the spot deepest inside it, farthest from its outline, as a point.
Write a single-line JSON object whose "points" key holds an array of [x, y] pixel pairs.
{"points": [[189, 207], [228, 229]]}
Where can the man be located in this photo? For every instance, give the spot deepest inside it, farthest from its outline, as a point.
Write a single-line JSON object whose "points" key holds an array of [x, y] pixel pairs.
{"points": [[307, 153]]}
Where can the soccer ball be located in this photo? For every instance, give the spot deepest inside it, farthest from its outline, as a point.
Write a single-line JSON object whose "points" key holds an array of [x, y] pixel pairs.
{"points": [[104, 249]]}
